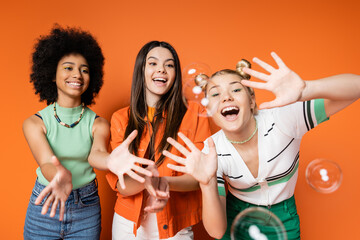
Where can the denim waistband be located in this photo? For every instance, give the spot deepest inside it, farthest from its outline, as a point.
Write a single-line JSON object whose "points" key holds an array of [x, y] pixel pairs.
{"points": [[79, 192]]}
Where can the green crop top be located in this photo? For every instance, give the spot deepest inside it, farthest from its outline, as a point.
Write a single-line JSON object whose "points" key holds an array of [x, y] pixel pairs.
{"points": [[70, 145]]}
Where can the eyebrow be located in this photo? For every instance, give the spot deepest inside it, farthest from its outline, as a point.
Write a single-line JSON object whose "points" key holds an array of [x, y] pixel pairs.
{"points": [[215, 86], [71, 63], [235, 82], [169, 59]]}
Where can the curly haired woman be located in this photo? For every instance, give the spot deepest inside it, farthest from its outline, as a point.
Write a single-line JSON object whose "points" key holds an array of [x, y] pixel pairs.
{"points": [[67, 139]]}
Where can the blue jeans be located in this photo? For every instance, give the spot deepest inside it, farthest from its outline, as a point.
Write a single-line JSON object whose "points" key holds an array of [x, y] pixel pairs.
{"points": [[82, 218]]}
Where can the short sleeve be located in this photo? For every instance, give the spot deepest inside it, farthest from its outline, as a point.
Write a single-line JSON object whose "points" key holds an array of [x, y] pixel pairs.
{"points": [[298, 118], [117, 137]]}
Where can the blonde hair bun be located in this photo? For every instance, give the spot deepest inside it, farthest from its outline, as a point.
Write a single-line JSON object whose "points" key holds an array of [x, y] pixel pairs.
{"points": [[201, 80], [239, 68]]}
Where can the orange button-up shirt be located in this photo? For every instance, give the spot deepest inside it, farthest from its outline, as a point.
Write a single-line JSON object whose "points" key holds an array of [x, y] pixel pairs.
{"points": [[183, 209]]}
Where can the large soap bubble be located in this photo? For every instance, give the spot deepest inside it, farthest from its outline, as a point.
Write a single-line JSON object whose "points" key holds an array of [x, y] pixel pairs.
{"points": [[257, 223], [323, 175]]}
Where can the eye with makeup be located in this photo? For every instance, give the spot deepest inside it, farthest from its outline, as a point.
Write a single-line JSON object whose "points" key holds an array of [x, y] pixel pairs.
{"points": [[237, 90], [235, 87], [69, 68], [85, 70], [213, 92]]}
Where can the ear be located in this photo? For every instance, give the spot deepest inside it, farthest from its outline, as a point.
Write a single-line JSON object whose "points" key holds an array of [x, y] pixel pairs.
{"points": [[252, 103]]}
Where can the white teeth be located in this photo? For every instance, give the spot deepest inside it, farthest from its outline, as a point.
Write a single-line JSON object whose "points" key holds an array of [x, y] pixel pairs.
{"points": [[160, 79], [75, 84], [229, 109]]}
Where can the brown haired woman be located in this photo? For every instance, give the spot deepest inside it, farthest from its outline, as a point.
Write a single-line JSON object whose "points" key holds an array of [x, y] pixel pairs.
{"points": [[156, 111]]}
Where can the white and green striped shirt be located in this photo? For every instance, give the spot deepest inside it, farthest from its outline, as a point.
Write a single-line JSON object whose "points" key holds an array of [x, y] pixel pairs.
{"points": [[279, 134]]}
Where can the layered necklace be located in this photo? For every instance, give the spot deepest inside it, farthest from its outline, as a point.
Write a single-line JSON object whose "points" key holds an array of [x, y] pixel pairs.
{"points": [[246, 140], [65, 124]]}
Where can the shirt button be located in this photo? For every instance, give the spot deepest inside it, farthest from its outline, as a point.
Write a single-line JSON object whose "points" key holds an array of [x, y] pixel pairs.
{"points": [[165, 226]]}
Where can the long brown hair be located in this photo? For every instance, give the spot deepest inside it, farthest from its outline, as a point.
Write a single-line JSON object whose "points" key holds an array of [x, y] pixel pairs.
{"points": [[170, 103]]}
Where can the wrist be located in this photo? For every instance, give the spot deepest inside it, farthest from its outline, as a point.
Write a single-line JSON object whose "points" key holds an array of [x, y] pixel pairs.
{"points": [[305, 91], [107, 162], [210, 184]]}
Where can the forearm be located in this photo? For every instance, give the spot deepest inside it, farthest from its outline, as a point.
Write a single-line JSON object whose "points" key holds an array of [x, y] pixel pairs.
{"points": [[340, 87], [48, 170], [183, 183], [132, 186], [99, 160], [214, 210]]}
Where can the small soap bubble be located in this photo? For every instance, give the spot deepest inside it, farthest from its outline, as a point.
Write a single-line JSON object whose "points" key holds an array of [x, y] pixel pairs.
{"points": [[191, 71], [323, 172], [204, 102], [323, 175], [325, 178], [197, 90]]}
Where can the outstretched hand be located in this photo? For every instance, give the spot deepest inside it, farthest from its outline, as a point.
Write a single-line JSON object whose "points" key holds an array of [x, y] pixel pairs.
{"points": [[197, 164], [283, 82], [157, 191], [121, 162], [58, 189]]}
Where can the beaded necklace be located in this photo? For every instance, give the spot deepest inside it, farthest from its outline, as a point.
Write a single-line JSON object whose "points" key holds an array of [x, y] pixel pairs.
{"points": [[74, 123], [251, 136]]}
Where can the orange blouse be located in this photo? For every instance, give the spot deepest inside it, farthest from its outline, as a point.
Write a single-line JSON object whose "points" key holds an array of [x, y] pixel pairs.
{"points": [[183, 209]]}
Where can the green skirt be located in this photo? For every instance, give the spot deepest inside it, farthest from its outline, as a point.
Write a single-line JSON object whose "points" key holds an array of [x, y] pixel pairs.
{"points": [[285, 211]]}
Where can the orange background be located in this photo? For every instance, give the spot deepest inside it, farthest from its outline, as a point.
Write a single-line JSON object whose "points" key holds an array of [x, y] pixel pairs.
{"points": [[314, 38]]}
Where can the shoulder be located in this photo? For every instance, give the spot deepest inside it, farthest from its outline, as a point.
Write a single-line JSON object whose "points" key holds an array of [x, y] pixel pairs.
{"points": [[195, 109], [119, 120], [121, 114], [101, 122], [218, 136], [195, 115], [102, 126], [33, 123]]}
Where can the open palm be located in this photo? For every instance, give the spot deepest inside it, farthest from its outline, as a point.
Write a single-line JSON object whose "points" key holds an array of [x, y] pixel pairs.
{"points": [[286, 85], [121, 162], [197, 164], [58, 191]]}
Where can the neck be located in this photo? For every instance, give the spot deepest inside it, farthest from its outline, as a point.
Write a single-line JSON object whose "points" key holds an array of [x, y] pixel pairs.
{"points": [[151, 101], [246, 136], [69, 102], [151, 98]]}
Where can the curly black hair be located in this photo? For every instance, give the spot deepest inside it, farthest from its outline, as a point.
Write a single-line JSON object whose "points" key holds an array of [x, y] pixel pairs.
{"points": [[48, 51]]}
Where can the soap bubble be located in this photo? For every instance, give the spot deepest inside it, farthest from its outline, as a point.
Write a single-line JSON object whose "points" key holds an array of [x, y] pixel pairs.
{"points": [[323, 175], [194, 69], [257, 223], [195, 78]]}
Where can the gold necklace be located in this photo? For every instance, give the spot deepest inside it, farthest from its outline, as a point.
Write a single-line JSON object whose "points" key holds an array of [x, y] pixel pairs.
{"points": [[74, 123], [249, 138]]}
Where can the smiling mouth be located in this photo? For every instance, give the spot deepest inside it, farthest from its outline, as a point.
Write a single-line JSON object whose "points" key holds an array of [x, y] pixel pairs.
{"points": [[230, 111], [161, 80], [75, 84]]}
